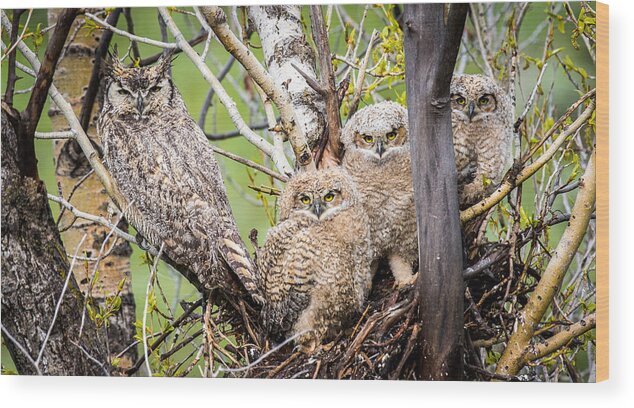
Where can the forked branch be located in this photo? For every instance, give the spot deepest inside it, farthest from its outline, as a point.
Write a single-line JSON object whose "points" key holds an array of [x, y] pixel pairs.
{"points": [[218, 22]]}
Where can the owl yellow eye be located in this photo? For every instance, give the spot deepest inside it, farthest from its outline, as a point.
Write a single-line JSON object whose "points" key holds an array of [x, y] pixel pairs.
{"points": [[305, 200], [368, 139], [329, 197], [484, 100], [460, 100], [155, 88], [391, 135], [123, 92]]}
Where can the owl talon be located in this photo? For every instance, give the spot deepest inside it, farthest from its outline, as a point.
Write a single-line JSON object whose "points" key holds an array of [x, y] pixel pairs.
{"points": [[328, 346], [307, 344], [142, 242]]}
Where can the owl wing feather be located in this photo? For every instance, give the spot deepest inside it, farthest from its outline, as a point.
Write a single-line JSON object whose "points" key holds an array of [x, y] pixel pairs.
{"points": [[285, 282], [183, 191], [202, 175]]}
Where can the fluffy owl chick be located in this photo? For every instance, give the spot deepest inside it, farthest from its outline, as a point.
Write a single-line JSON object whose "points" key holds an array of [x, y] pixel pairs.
{"points": [[315, 264], [482, 121], [377, 156], [165, 168]]}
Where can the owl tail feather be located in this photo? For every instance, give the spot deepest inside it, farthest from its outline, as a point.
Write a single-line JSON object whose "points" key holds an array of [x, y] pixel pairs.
{"points": [[236, 256]]}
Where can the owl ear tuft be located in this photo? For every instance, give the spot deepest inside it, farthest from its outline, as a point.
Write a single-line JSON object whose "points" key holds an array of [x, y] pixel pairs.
{"points": [[165, 61], [112, 67]]}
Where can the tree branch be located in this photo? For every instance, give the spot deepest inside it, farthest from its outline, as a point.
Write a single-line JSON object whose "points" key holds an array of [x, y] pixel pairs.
{"points": [[81, 137], [43, 81], [93, 84], [218, 23], [126, 34], [96, 219], [11, 78], [513, 358], [358, 86], [251, 164], [276, 155], [331, 155], [152, 59], [509, 184], [207, 103], [127, 12], [561, 339], [481, 40]]}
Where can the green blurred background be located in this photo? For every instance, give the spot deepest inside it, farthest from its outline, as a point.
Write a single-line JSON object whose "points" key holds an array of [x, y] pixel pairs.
{"points": [[194, 89]]}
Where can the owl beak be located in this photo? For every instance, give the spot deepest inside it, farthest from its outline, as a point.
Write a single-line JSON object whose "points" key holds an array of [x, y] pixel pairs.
{"points": [[140, 104], [318, 208], [471, 113], [380, 149]]}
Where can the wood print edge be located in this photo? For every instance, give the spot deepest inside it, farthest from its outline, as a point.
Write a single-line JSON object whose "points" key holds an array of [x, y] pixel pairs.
{"points": [[602, 199]]}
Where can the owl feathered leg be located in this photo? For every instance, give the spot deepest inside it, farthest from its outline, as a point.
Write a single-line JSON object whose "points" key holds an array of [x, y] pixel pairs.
{"points": [[323, 317], [401, 270]]}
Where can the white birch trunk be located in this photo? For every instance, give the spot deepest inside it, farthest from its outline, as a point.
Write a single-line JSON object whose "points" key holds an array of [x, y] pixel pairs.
{"points": [[284, 44]]}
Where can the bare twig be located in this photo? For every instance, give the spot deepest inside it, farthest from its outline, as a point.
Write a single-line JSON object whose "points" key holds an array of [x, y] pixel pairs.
{"points": [[218, 22], [562, 338], [251, 164], [128, 35], [11, 78], [93, 85], [531, 99], [260, 359], [145, 307], [68, 134], [512, 359], [163, 336], [474, 14], [205, 107], [508, 185], [152, 59], [15, 41], [59, 300], [127, 12], [21, 348], [236, 133], [277, 156], [97, 219], [358, 86]]}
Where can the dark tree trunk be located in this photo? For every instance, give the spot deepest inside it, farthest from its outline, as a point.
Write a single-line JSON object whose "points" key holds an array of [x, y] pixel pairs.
{"points": [[34, 270], [432, 38]]}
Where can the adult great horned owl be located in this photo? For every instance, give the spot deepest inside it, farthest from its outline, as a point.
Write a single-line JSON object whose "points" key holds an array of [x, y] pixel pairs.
{"points": [[165, 168], [377, 156], [482, 122], [315, 264]]}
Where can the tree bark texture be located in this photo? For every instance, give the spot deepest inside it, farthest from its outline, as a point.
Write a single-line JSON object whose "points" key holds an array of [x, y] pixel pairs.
{"points": [[284, 45], [72, 80], [34, 269], [332, 150], [432, 38]]}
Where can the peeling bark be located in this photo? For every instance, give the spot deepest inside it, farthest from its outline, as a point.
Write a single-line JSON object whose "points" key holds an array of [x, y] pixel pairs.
{"points": [[34, 268], [284, 45], [72, 79]]}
